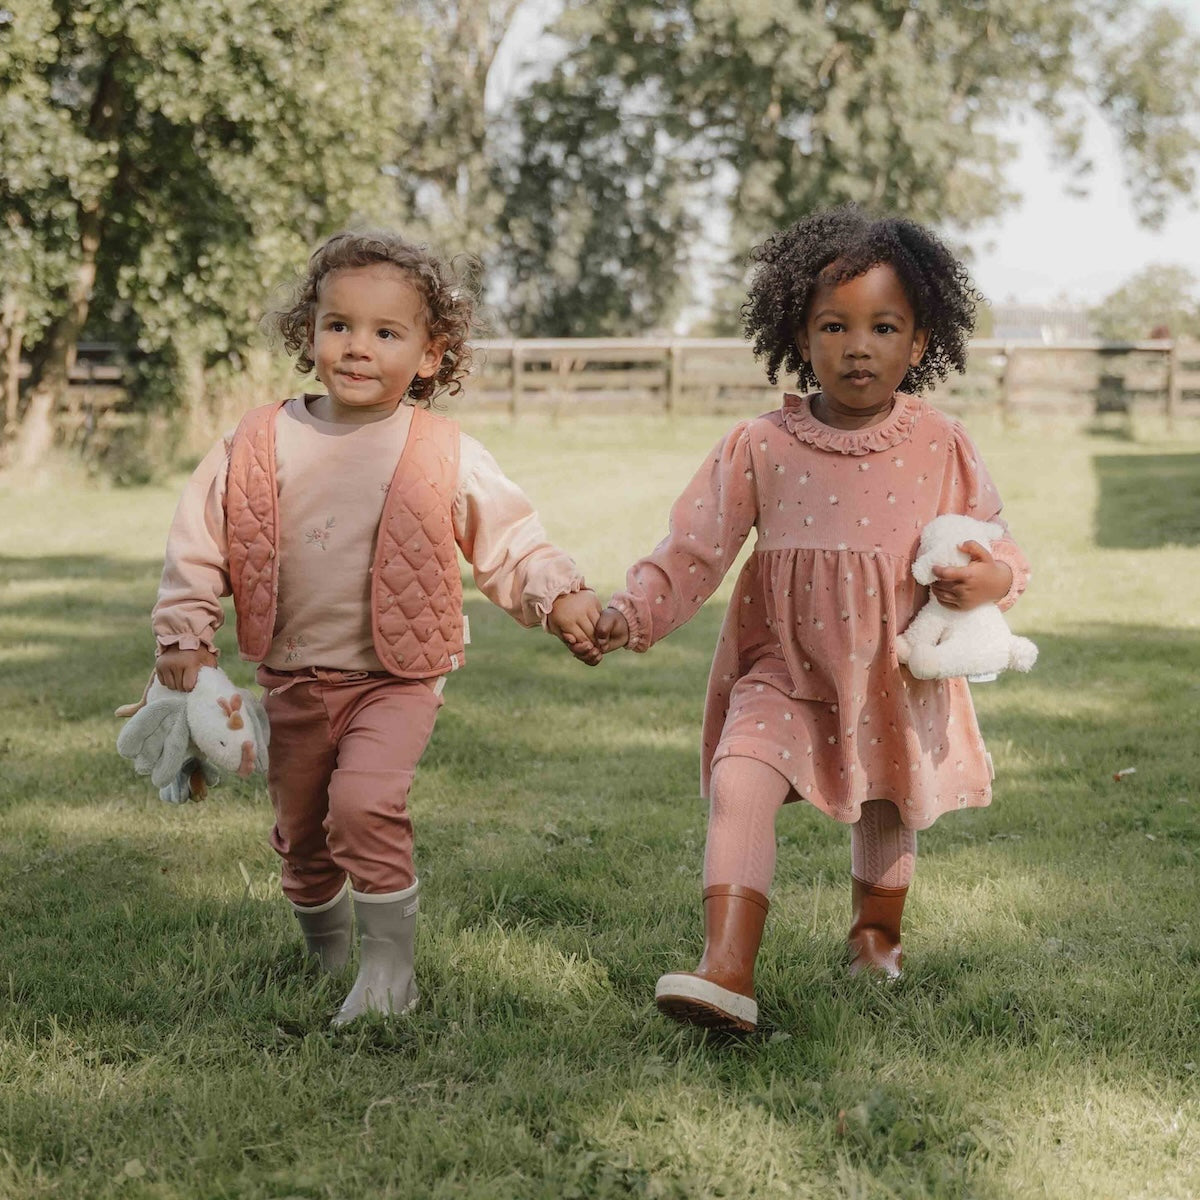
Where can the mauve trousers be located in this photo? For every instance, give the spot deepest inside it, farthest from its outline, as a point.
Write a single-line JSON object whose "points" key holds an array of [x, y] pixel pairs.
{"points": [[344, 749]]}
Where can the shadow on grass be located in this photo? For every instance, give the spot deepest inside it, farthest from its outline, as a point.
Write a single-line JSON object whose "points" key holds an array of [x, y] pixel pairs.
{"points": [[99, 567], [1147, 500]]}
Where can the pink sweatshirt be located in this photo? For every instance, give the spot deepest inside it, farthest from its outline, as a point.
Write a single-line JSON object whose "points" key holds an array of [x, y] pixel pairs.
{"points": [[333, 480]]}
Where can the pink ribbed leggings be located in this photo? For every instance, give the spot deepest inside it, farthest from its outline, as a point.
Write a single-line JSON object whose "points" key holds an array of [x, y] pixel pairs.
{"points": [[746, 795]]}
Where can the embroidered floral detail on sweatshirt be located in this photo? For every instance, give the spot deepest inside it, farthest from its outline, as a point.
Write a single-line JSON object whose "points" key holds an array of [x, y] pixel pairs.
{"points": [[293, 644], [320, 537]]}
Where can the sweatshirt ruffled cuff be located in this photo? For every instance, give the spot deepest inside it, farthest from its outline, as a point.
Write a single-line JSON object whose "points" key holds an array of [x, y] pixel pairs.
{"points": [[184, 641], [1012, 558], [545, 605], [639, 635]]}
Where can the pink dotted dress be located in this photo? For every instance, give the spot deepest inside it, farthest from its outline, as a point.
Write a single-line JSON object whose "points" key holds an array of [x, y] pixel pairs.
{"points": [[805, 676]]}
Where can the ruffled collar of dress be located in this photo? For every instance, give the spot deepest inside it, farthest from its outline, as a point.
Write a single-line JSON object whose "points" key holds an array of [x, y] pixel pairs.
{"points": [[891, 431]]}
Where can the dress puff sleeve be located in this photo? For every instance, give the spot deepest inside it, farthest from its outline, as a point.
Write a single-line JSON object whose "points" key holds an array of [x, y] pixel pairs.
{"points": [[195, 573], [498, 530], [968, 489], [708, 524]]}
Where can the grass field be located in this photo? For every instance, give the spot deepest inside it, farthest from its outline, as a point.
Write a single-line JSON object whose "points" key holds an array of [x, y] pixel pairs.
{"points": [[161, 1036]]}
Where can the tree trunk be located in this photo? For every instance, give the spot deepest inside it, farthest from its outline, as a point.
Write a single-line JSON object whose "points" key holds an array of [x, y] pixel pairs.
{"points": [[12, 331], [55, 356]]}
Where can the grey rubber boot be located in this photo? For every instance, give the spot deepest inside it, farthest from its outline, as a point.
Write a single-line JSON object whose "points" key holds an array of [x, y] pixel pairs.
{"points": [[387, 927], [326, 929]]}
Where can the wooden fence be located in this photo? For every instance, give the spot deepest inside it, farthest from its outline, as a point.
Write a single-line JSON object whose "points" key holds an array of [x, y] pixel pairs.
{"points": [[1077, 380], [97, 402], [1073, 379]]}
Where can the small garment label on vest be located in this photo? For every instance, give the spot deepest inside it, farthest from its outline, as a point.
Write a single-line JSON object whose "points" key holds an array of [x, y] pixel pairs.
{"points": [[440, 686], [466, 630]]}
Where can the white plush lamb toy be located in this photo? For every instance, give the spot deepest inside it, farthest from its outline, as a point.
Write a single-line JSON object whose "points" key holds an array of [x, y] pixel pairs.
{"points": [[183, 740], [943, 642]]}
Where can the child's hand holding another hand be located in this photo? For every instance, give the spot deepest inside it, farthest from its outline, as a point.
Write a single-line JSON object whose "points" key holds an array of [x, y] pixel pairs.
{"points": [[982, 581], [612, 631], [573, 620]]}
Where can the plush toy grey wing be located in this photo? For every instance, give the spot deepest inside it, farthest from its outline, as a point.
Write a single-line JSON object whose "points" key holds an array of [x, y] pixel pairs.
{"points": [[156, 739], [254, 709]]}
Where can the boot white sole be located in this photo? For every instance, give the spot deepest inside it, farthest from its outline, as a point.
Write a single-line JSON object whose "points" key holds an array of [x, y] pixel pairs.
{"points": [[697, 1001], [345, 1017]]}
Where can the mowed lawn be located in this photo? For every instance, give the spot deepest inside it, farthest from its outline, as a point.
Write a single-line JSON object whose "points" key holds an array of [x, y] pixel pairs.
{"points": [[162, 1036]]}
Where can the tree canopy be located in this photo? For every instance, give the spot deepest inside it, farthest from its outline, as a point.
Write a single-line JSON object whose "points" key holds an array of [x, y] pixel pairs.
{"points": [[766, 109], [1158, 301], [163, 166]]}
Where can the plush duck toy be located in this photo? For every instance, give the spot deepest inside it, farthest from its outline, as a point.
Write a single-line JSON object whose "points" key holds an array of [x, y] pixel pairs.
{"points": [[941, 642], [184, 740]]}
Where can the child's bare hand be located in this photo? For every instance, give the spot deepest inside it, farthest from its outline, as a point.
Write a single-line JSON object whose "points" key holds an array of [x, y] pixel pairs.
{"points": [[177, 669], [612, 631], [573, 620], [982, 581]]}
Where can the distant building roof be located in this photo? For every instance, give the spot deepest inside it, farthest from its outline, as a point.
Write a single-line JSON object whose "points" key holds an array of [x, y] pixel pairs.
{"points": [[1043, 323]]}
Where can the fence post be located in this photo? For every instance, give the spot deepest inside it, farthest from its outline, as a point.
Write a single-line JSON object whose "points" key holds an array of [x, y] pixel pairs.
{"points": [[1174, 389], [1006, 383], [674, 377], [562, 389], [518, 362]]}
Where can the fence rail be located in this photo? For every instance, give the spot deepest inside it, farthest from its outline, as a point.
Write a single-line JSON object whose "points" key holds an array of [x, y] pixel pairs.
{"points": [[1078, 379], [687, 375]]}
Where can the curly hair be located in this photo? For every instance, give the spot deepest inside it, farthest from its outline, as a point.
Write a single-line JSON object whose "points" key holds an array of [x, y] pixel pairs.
{"points": [[447, 298], [843, 243]]}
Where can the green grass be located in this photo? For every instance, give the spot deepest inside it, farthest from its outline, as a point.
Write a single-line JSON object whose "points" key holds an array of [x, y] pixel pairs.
{"points": [[161, 1036]]}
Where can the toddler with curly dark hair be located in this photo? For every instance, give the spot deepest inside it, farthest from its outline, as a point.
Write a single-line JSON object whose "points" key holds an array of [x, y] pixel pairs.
{"points": [[335, 520], [806, 698]]}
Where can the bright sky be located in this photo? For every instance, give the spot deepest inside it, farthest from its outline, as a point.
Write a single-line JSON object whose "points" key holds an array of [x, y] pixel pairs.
{"points": [[1055, 246], [1051, 246]]}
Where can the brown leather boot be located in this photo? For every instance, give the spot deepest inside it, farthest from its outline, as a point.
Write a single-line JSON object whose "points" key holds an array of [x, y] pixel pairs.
{"points": [[719, 994], [875, 931]]}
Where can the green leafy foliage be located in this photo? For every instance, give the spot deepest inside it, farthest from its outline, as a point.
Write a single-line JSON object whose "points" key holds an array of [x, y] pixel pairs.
{"points": [[166, 165], [782, 108], [1159, 301]]}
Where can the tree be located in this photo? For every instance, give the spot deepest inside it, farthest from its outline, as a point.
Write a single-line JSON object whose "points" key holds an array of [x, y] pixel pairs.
{"points": [[592, 235], [781, 107], [444, 169], [179, 159], [1157, 298]]}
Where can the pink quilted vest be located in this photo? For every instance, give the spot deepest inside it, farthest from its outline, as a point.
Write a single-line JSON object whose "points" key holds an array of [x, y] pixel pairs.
{"points": [[416, 590]]}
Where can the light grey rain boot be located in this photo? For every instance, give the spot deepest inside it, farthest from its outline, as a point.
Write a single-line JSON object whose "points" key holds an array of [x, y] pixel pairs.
{"points": [[326, 929], [387, 926]]}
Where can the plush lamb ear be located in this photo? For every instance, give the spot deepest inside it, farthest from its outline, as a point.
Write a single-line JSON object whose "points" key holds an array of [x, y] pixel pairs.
{"points": [[261, 727], [156, 738], [992, 531]]}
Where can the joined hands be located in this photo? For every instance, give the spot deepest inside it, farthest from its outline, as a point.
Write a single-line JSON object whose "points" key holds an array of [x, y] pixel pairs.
{"points": [[572, 620], [589, 633]]}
